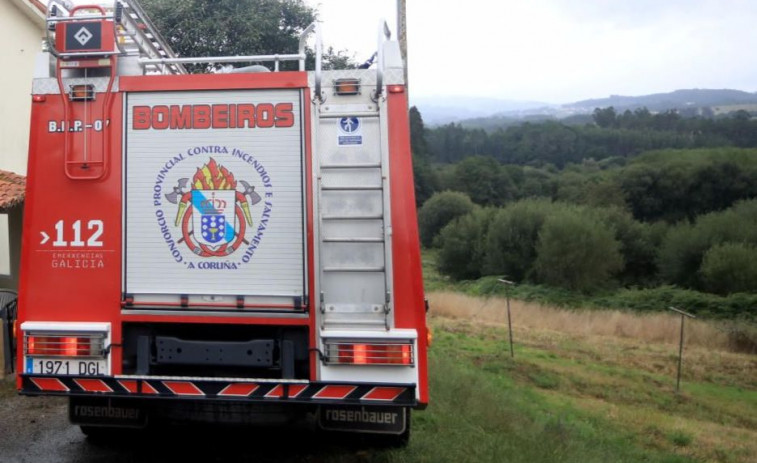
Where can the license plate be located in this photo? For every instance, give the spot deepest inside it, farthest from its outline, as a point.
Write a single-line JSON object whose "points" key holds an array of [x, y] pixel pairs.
{"points": [[71, 367]]}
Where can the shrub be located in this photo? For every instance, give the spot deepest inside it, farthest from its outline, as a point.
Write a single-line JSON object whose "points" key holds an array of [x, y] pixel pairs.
{"points": [[684, 247], [484, 180], [461, 245], [639, 244], [511, 242], [730, 268], [576, 251], [440, 210]]}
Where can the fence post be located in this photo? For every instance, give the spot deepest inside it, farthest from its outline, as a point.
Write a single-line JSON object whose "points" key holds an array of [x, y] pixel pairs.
{"points": [[680, 345], [507, 284]]}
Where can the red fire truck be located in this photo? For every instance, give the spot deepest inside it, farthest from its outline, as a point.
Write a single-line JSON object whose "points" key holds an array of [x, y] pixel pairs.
{"points": [[218, 246]]}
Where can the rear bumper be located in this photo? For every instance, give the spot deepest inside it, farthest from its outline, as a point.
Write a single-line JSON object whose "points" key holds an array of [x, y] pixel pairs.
{"points": [[221, 389]]}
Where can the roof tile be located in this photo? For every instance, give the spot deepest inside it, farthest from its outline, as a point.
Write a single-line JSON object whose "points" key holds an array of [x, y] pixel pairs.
{"points": [[12, 188]]}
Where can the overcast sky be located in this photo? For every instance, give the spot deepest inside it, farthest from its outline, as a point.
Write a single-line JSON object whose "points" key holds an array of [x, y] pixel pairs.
{"points": [[559, 51]]}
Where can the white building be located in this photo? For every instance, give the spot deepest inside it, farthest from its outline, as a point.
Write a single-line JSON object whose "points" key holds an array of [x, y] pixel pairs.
{"points": [[22, 27]]}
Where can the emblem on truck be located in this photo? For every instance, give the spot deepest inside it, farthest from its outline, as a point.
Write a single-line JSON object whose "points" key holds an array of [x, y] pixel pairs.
{"points": [[213, 210]]}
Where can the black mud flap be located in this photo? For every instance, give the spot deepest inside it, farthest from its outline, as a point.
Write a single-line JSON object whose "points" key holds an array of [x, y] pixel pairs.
{"points": [[96, 411], [364, 419]]}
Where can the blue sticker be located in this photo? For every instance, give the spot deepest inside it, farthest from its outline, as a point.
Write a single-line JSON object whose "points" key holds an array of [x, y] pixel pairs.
{"points": [[349, 124], [349, 132]]}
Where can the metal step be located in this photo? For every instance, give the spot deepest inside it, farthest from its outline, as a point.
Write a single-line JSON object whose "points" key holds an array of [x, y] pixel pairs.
{"points": [[351, 188], [352, 240], [354, 269]]}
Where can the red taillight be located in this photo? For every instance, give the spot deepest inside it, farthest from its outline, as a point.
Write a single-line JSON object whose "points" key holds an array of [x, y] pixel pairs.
{"points": [[62, 346], [369, 354]]}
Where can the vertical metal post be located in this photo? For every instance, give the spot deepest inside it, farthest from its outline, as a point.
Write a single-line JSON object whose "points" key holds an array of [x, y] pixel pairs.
{"points": [[680, 345], [402, 36], [680, 357], [509, 319]]}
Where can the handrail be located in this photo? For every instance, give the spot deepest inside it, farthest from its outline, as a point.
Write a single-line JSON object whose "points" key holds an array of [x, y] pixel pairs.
{"points": [[222, 59], [318, 62], [303, 37], [383, 34]]}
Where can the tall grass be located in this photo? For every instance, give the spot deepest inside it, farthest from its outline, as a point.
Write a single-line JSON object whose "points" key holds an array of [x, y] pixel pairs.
{"points": [[649, 327]]}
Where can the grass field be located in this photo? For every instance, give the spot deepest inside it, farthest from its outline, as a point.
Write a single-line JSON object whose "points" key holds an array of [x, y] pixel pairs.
{"points": [[584, 386], [569, 396]]}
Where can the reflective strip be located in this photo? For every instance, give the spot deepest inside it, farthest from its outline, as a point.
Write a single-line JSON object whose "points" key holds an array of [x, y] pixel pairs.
{"points": [[334, 392], [183, 388], [383, 393], [130, 386], [276, 393], [50, 384], [148, 389], [296, 389], [93, 385], [239, 390]]}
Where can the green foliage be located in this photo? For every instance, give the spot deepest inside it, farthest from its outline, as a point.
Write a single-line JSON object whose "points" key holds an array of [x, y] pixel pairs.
{"points": [[440, 210], [683, 249], [612, 136], [639, 244], [462, 243], [605, 117], [739, 307], [576, 252], [230, 27], [423, 175], [729, 268], [672, 185], [484, 180], [512, 238]]}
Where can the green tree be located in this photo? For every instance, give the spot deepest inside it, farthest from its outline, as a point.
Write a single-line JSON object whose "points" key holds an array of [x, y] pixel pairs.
{"points": [[513, 234], [684, 247], [231, 27], [484, 180], [425, 180], [730, 268], [462, 244], [605, 117], [577, 252], [440, 210]]}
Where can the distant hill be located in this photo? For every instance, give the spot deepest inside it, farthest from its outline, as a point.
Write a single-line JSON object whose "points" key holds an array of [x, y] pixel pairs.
{"points": [[679, 99], [443, 110], [491, 114]]}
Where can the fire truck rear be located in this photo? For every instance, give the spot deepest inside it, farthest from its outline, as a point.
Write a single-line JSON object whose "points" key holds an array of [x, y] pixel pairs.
{"points": [[237, 246]]}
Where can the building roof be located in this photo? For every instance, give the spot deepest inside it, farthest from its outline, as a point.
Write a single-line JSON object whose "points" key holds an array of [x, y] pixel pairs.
{"points": [[12, 188]]}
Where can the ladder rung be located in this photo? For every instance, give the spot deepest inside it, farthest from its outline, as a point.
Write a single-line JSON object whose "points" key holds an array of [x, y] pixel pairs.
{"points": [[352, 217], [349, 188], [349, 166], [353, 269], [353, 240]]}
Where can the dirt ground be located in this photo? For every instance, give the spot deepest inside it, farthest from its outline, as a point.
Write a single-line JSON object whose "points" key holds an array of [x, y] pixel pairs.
{"points": [[36, 430]]}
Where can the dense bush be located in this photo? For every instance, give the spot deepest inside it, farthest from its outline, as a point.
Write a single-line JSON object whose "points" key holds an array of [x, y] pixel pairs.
{"points": [[511, 242], [729, 268], [576, 251], [440, 210], [462, 243], [639, 244], [683, 249], [583, 248], [484, 180]]}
